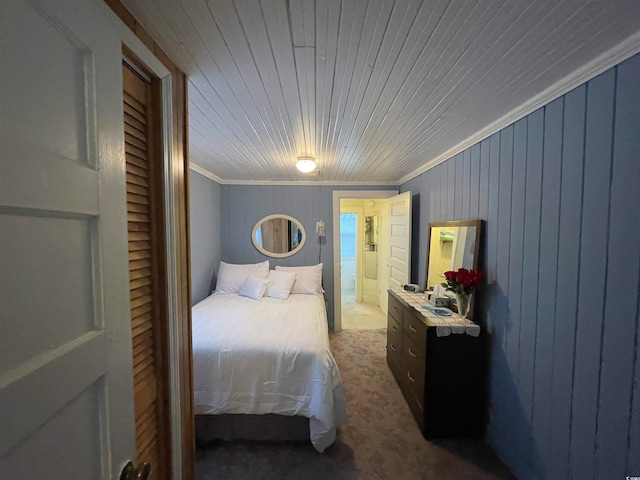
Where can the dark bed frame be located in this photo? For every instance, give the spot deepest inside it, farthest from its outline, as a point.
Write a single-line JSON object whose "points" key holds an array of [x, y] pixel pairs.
{"points": [[270, 427]]}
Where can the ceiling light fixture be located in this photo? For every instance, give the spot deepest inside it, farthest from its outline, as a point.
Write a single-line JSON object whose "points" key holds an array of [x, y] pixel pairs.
{"points": [[306, 164]]}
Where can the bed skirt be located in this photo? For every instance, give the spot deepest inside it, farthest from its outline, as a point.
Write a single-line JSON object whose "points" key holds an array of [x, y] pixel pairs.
{"points": [[270, 427]]}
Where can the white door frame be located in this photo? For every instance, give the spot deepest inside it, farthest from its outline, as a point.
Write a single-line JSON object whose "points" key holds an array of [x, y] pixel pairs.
{"points": [[337, 285], [154, 65]]}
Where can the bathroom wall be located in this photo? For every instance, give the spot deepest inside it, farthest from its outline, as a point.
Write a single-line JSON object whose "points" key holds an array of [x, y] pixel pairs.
{"points": [[348, 250]]}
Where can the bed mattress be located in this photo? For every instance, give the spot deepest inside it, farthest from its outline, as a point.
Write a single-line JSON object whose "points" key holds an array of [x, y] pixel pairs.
{"points": [[267, 356]]}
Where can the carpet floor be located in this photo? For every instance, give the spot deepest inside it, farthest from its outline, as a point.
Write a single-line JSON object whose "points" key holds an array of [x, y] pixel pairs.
{"points": [[380, 441]]}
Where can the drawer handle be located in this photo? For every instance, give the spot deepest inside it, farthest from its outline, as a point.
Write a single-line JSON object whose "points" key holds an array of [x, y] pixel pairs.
{"points": [[412, 329], [411, 354], [411, 379], [393, 348]]}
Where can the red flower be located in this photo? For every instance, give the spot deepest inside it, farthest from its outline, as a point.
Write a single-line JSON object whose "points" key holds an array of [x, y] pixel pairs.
{"points": [[463, 281]]}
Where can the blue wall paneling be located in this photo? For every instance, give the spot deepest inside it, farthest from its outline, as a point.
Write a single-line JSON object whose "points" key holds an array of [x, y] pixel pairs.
{"points": [[547, 287], [516, 243], [619, 335], [559, 191], [529, 302], [567, 277], [598, 142], [244, 205], [205, 220]]}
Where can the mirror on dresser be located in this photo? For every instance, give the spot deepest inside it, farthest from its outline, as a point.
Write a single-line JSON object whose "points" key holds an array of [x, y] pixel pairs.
{"points": [[450, 246]]}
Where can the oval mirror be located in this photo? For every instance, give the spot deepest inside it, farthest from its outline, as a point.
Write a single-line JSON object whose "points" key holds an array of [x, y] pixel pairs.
{"points": [[278, 235]]}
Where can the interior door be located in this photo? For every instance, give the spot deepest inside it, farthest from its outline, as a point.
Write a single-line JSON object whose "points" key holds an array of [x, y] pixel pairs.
{"points": [[399, 239], [66, 396], [146, 273], [383, 251]]}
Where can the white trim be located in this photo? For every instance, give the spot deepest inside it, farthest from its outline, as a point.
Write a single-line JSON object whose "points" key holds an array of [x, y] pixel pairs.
{"points": [[603, 62], [337, 196], [262, 250], [205, 173], [311, 182], [212, 176], [151, 62]]}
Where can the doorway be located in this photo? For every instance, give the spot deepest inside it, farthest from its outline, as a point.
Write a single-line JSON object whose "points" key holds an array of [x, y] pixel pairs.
{"points": [[359, 259], [360, 265]]}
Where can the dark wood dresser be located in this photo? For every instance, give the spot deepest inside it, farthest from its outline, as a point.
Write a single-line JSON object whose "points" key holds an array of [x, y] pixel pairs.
{"points": [[442, 378]]}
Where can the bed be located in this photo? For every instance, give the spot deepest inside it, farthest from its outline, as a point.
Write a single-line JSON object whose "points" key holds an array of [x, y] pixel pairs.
{"points": [[268, 357]]}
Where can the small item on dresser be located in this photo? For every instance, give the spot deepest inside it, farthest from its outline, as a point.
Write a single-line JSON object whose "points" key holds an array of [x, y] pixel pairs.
{"points": [[412, 287], [437, 297], [441, 312], [438, 301]]}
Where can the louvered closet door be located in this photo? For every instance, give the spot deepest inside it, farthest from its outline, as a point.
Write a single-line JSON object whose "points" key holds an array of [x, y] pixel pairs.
{"points": [[145, 274]]}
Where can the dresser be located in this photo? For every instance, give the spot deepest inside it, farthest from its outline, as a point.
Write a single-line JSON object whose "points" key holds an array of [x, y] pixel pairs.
{"points": [[439, 366]]}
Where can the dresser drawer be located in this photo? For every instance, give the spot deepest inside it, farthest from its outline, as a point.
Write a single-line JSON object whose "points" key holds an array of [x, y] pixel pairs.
{"points": [[416, 408], [413, 365], [394, 340], [395, 309], [414, 328]]}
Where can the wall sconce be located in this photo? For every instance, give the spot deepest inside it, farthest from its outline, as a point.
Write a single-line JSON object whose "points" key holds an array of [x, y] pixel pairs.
{"points": [[306, 164]]}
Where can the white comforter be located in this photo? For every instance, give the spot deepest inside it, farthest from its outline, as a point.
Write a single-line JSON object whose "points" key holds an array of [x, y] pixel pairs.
{"points": [[267, 356]]}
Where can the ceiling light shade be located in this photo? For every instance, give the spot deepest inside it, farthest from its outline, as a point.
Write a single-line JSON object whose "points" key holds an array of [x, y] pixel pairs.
{"points": [[306, 164]]}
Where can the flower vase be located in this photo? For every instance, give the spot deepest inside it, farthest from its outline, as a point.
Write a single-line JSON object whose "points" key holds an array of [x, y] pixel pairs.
{"points": [[463, 303]]}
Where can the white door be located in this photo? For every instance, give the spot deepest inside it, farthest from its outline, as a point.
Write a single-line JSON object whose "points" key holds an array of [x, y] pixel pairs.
{"points": [[383, 250], [399, 239], [66, 400]]}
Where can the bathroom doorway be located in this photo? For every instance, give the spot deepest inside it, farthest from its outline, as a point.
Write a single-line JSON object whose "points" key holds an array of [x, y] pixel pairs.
{"points": [[360, 264]]}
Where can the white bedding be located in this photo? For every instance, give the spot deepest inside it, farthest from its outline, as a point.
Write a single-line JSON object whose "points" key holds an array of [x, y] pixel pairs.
{"points": [[267, 356]]}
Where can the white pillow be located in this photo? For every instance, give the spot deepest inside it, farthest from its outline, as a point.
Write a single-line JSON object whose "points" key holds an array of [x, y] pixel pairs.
{"points": [[308, 279], [231, 276], [254, 287], [280, 284]]}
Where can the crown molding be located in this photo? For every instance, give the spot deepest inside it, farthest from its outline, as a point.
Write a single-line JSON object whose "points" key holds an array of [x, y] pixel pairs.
{"points": [[205, 173], [311, 182], [603, 62]]}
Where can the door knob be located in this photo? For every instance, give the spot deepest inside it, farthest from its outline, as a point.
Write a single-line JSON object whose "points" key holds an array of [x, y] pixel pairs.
{"points": [[129, 472]]}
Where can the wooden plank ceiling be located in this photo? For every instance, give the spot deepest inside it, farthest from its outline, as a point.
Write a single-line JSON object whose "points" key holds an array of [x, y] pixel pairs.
{"points": [[373, 89]]}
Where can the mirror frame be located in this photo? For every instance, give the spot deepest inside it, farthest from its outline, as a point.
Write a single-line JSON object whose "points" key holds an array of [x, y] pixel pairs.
{"points": [[476, 252], [261, 249]]}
